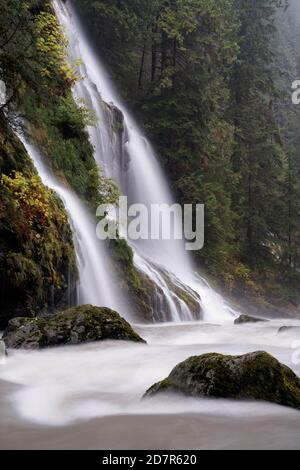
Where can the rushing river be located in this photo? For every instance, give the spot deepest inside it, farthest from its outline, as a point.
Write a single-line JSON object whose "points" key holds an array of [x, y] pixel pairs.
{"points": [[89, 396]]}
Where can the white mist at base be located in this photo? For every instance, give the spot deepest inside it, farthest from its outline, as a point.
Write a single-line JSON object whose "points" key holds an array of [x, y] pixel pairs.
{"points": [[129, 159], [62, 385], [96, 283]]}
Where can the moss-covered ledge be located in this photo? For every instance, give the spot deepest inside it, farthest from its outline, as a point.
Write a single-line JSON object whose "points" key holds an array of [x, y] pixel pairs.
{"points": [[37, 259]]}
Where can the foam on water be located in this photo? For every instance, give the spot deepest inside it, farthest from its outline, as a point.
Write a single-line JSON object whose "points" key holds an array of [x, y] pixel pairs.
{"points": [[65, 384]]}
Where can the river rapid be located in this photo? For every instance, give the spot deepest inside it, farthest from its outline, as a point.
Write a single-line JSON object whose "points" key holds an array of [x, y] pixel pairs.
{"points": [[90, 396]]}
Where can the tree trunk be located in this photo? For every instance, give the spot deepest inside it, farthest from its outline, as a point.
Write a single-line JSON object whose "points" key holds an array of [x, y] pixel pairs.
{"points": [[154, 48], [142, 66]]}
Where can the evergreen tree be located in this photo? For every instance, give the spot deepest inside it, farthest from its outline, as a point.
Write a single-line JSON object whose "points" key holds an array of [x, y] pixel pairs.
{"points": [[258, 157], [286, 46], [203, 78]]}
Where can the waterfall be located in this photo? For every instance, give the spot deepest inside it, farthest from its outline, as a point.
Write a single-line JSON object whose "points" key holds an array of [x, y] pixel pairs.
{"points": [[97, 280], [126, 156]]}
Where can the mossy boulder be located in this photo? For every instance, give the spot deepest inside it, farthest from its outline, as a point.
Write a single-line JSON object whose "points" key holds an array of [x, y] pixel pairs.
{"points": [[76, 325], [248, 319], [254, 376]]}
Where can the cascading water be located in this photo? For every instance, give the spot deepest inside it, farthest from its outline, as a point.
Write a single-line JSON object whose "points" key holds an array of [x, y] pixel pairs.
{"points": [[88, 396], [96, 275], [127, 157]]}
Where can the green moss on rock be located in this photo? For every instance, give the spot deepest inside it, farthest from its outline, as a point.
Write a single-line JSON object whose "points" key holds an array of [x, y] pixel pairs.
{"points": [[37, 259], [133, 282], [254, 376], [58, 128], [73, 326], [13, 156], [185, 294]]}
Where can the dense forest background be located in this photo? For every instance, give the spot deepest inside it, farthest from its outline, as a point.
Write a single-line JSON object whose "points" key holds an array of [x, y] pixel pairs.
{"points": [[211, 83]]}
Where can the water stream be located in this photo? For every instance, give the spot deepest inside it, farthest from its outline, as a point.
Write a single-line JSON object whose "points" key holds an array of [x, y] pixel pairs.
{"points": [[89, 396], [128, 158], [96, 277]]}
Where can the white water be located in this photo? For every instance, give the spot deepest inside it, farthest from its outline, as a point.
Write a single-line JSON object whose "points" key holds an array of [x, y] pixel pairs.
{"points": [[96, 283], [130, 160], [75, 384]]}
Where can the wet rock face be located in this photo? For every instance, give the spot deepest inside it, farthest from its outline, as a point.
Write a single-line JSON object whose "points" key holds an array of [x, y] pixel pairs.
{"points": [[286, 329], [73, 326], [254, 376], [116, 118], [37, 259], [248, 319], [2, 350]]}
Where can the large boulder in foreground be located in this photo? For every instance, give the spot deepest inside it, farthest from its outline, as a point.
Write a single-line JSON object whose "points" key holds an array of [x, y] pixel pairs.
{"points": [[257, 376], [73, 326], [248, 319]]}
